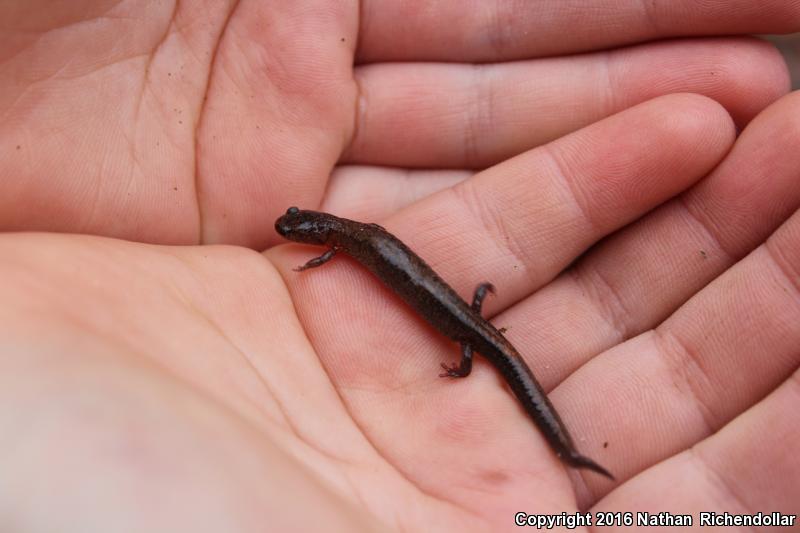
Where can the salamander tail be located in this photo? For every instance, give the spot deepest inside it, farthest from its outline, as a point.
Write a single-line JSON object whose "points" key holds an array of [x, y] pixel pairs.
{"points": [[577, 460]]}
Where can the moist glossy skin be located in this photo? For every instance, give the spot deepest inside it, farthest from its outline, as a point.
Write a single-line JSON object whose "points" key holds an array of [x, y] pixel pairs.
{"points": [[405, 273]]}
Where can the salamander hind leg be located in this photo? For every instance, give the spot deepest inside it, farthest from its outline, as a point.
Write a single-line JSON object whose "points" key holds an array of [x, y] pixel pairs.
{"points": [[318, 261], [461, 370], [480, 294]]}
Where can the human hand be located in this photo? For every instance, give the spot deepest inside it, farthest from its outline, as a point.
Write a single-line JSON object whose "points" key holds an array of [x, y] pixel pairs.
{"points": [[204, 389], [197, 122]]}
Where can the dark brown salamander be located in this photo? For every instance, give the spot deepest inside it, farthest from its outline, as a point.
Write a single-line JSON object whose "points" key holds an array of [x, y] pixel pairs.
{"points": [[405, 273]]}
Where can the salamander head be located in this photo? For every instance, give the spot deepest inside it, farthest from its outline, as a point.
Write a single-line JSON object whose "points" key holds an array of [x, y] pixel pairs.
{"points": [[301, 225]]}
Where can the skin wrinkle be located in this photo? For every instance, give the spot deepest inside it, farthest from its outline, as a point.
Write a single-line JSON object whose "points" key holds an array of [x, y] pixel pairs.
{"points": [[359, 90], [650, 18], [32, 81], [794, 382], [499, 28], [94, 205], [362, 23], [576, 193], [708, 227], [248, 360], [784, 266], [492, 224], [10, 107], [57, 75], [85, 18], [197, 181], [347, 142], [605, 298], [577, 479], [723, 488], [480, 114], [682, 363], [408, 183], [359, 111], [151, 55], [132, 144], [188, 303], [610, 104]]}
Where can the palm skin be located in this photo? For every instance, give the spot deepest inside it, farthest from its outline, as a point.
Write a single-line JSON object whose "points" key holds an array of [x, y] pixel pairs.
{"points": [[212, 388]]}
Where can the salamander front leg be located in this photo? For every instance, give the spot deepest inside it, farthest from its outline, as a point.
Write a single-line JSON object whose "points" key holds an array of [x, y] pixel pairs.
{"points": [[318, 261], [461, 370]]}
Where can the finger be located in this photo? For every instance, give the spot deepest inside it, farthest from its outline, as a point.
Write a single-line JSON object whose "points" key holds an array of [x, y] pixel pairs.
{"points": [[368, 193], [719, 354], [639, 276], [502, 30], [520, 223], [751, 465], [474, 116]]}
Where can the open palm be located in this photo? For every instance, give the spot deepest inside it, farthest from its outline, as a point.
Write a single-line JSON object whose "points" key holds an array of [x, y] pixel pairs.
{"points": [[205, 387]]}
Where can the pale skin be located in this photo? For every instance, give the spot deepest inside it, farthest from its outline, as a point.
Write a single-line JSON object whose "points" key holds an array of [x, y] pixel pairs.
{"points": [[146, 387]]}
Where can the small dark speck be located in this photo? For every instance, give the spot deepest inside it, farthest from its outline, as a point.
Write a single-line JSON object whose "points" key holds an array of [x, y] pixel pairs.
{"points": [[174, 188], [169, 73], [704, 254], [342, 39], [180, 122], [605, 444], [258, 127], [18, 147]]}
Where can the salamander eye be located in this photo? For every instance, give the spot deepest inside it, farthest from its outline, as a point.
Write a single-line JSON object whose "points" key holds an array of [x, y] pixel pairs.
{"points": [[292, 211]]}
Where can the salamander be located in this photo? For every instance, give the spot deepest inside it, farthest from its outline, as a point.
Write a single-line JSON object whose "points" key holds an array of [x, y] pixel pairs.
{"points": [[416, 283]]}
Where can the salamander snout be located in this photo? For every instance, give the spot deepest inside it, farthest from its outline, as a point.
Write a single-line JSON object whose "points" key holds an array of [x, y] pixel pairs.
{"points": [[304, 226], [284, 223]]}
